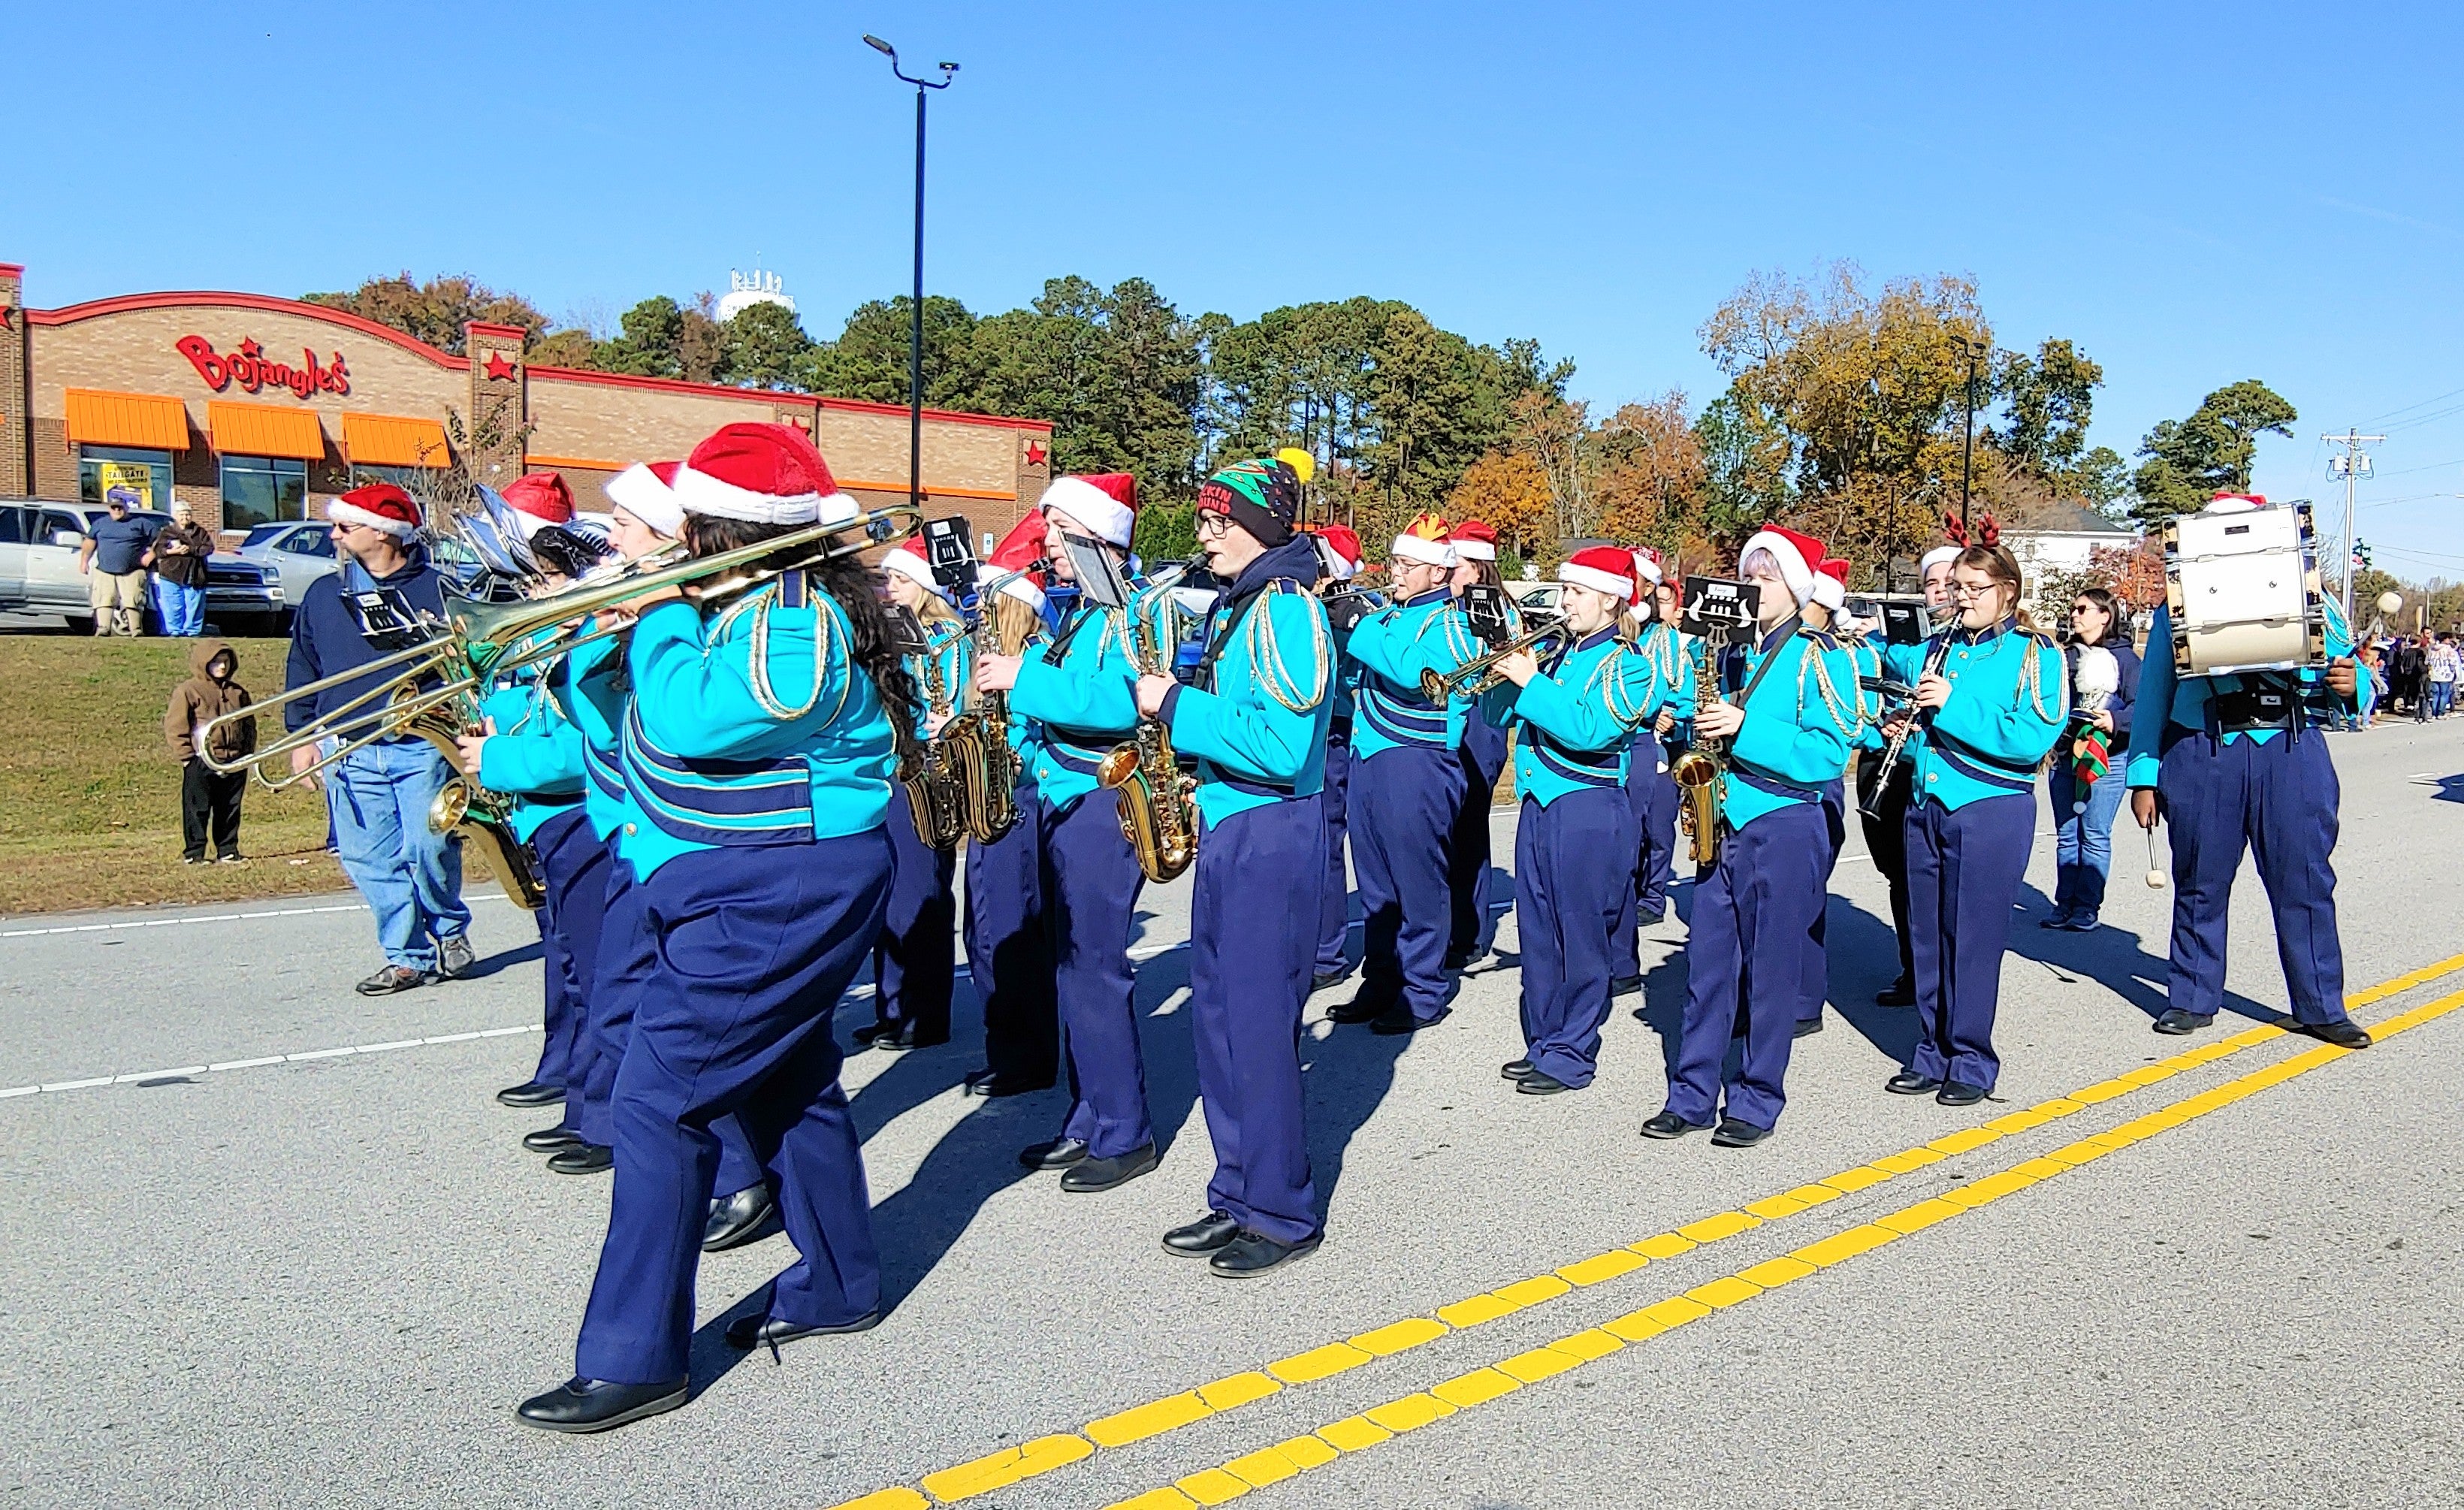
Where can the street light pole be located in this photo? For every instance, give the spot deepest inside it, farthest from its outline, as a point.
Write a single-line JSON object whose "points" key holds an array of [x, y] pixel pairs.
{"points": [[1971, 350], [915, 313]]}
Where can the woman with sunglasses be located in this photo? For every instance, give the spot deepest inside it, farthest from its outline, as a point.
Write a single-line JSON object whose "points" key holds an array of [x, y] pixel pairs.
{"points": [[2084, 809]]}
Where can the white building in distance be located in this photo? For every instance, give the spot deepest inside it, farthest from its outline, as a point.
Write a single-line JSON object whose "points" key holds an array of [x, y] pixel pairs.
{"points": [[745, 290]]}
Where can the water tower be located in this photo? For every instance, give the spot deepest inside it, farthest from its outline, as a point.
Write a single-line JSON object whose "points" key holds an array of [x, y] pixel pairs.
{"points": [[745, 290]]}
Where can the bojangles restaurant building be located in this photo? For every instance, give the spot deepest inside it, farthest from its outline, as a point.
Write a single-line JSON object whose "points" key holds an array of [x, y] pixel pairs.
{"points": [[257, 410]]}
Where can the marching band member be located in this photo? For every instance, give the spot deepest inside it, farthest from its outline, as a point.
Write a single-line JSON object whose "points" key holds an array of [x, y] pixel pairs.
{"points": [[1079, 694], [1255, 717], [915, 962], [1407, 785], [1008, 958], [1484, 761], [1789, 713], [1992, 710], [757, 752], [1339, 548], [1884, 814], [1573, 877], [1649, 792], [1830, 596], [2241, 762]]}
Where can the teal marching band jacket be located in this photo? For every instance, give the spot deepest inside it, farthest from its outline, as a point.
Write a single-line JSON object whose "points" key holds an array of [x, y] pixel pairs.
{"points": [[1257, 717], [1578, 716], [1393, 645], [1800, 720], [2010, 698], [2188, 701]]}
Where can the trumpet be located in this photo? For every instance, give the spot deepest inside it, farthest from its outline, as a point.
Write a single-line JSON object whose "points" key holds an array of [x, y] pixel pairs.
{"points": [[1480, 673]]}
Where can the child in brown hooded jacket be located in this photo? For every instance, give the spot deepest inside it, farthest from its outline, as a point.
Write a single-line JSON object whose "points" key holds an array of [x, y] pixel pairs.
{"points": [[208, 800]]}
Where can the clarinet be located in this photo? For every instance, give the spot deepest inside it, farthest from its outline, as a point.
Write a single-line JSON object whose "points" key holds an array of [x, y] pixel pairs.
{"points": [[1899, 740]]}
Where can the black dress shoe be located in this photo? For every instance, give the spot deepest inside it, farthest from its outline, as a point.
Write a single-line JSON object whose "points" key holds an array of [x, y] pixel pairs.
{"points": [[2344, 1034], [1624, 985], [905, 1036], [1089, 1175], [1399, 1019], [736, 1219], [1959, 1093], [1899, 992], [1202, 1237], [1455, 962], [1731, 1134], [1362, 1008], [1516, 1069], [988, 1082], [774, 1332], [583, 1158], [2177, 1022], [1248, 1254], [531, 1093], [597, 1405], [1540, 1083], [551, 1140], [1647, 919], [1669, 1124], [1909, 1083], [1807, 1028], [1326, 978], [1053, 1154], [871, 1031]]}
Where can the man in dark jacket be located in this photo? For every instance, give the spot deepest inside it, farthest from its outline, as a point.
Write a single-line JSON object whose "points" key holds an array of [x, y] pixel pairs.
{"points": [[380, 795], [209, 801]]}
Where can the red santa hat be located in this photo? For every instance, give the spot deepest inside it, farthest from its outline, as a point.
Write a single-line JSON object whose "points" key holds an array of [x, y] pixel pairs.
{"points": [[1473, 540], [1342, 550], [763, 474], [647, 490], [540, 498], [1798, 554], [1831, 583], [909, 562], [1425, 540], [1106, 503], [1019, 549], [378, 506], [1646, 565], [1021, 587], [1603, 569]]}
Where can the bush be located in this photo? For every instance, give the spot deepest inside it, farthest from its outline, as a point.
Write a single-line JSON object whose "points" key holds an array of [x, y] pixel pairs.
{"points": [[1166, 531]]}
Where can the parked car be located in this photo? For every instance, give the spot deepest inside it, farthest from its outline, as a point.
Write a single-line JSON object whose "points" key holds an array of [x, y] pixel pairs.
{"points": [[40, 542], [296, 552], [1530, 597]]}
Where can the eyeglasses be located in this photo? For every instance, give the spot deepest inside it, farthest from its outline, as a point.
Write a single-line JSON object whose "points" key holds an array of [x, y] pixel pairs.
{"points": [[1211, 524], [1962, 590]]}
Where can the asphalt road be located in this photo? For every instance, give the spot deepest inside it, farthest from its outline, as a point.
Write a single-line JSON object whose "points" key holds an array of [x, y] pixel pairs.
{"points": [[327, 1280]]}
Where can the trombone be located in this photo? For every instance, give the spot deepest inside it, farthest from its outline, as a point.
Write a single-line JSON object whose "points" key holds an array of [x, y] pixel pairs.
{"points": [[477, 643], [1480, 673]]}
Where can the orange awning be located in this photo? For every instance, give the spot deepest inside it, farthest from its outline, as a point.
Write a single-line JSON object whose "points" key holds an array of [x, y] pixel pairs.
{"points": [[151, 421], [393, 440], [264, 429]]}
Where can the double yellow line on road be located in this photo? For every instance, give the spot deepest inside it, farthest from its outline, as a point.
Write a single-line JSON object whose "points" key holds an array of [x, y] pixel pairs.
{"points": [[1353, 1434]]}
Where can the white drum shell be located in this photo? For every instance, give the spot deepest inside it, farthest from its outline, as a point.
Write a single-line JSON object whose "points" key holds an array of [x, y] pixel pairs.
{"points": [[2243, 592]]}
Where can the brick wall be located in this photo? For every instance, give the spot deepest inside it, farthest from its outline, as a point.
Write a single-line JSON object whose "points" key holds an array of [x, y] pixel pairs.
{"points": [[16, 452]]}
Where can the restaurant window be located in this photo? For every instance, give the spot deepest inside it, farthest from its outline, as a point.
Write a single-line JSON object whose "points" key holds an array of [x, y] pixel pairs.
{"points": [[262, 490], [417, 481], [142, 479]]}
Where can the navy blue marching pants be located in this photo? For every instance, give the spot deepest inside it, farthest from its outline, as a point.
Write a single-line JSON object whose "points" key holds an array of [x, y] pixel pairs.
{"points": [[1754, 922], [1008, 956], [1573, 878], [629, 952], [1091, 883], [1249, 968], [1404, 802], [1817, 959], [1886, 840], [1332, 920], [1471, 928], [915, 963], [1651, 800], [2280, 799], [573, 864], [754, 948], [1964, 874]]}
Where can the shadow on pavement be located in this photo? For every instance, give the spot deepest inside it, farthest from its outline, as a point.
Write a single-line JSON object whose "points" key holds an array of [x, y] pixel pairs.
{"points": [[2110, 957]]}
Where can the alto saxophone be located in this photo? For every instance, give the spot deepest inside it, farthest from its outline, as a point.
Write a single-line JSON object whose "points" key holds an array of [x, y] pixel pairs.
{"points": [[1699, 768], [1158, 800], [975, 748], [933, 793], [464, 806]]}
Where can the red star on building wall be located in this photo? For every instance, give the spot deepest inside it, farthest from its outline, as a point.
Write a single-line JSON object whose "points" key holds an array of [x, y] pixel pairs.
{"points": [[250, 350], [499, 370], [1034, 454]]}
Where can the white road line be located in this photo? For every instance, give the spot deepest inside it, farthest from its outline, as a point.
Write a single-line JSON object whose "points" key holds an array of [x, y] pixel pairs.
{"points": [[220, 1066], [217, 917]]}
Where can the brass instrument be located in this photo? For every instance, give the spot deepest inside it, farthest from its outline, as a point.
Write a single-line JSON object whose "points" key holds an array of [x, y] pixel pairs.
{"points": [[1898, 743], [974, 747], [935, 798], [483, 817], [1480, 673], [1158, 800], [1699, 768], [477, 643]]}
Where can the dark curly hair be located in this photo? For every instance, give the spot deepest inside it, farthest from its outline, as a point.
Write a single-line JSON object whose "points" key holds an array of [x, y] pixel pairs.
{"points": [[845, 579]]}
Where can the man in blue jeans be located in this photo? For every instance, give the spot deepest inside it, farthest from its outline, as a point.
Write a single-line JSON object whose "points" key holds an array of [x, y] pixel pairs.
{"points": [[379, 795]]}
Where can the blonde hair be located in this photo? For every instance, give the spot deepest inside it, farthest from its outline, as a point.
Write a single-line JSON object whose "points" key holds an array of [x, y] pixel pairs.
{"points": [[937, 609], [1014, 624]]}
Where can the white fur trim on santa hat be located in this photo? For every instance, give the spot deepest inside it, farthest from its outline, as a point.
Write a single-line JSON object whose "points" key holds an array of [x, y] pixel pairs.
{"points": [[1019, 586], [1619, 587], [638, 490], [1939, 556], [1793, 568], [1475, 550], [1830, 591], [915, 569], [341, 512], [699, 492], [1428, 552], [1647, 568], [1112, 519]]}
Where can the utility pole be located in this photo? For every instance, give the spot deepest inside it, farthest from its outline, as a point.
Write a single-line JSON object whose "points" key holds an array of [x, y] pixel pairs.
{"points": [[2353, 466], [916, 315]]}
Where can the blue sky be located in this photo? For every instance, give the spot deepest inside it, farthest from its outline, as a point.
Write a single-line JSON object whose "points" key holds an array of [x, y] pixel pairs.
{"points": [[2194, 193]]}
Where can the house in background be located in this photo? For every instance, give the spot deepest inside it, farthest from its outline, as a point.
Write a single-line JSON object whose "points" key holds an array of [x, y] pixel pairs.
{"points": [[2062, 538]]}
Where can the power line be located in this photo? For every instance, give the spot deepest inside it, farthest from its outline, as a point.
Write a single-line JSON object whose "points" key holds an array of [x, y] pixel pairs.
{"points": [[2353, 466], [2410, 408]]}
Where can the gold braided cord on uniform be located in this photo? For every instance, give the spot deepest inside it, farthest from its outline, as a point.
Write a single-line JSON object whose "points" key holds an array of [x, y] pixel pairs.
{"points": [[1813, 662], [1608, 683], [757, 658], [2031, 681], [1267, 658], [1663, 662]]}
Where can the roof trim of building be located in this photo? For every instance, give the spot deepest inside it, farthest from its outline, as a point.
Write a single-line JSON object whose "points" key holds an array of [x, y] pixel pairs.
{"points": [[719, 390]]}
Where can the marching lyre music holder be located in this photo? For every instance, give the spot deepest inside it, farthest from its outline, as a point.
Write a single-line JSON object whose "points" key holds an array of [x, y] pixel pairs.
{"points": [[1099, 575], [1717, 609]]}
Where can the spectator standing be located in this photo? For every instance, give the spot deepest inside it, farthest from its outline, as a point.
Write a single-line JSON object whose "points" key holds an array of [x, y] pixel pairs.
{"points": [[113, 558], [179, 561], [208, 800], [2086, 799], [2406, 664], [379, 795], [2444, 667], [2370, 684]]}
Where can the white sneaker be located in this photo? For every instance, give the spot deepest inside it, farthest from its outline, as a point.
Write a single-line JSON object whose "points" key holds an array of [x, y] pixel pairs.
{"points": [[454, 956]]}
